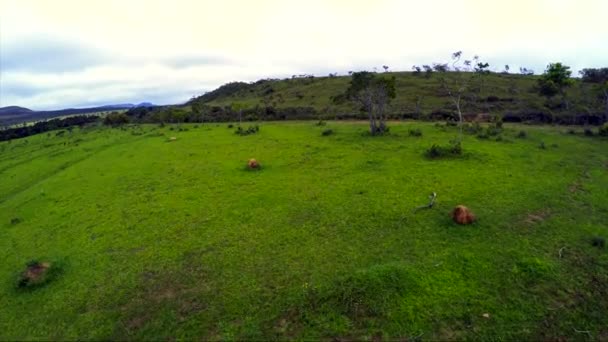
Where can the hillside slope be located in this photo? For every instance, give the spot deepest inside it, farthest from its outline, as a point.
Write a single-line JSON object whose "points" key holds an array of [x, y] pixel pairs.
{"points": [[417, 96]]}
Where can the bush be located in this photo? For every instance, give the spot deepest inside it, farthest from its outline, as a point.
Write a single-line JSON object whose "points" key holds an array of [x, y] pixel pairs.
{"points": [[230, 126], [438, 151], [571, 131], [248, 131], [542, 145], [588, 132], [116, 119], [321, 123], [475, 128], [603, 130], [598, 241], [327, 132], [415, 132], [522, 134]]}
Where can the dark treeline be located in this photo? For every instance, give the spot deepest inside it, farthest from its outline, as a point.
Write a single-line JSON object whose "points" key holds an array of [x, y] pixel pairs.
{"points": [[45, 126]]}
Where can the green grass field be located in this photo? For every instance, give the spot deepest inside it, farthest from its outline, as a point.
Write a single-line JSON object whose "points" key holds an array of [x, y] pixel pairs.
{"points": [[177, 240]]}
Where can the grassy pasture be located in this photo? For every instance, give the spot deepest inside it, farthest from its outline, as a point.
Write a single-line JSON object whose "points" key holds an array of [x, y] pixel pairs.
{"points": [[159, 239]]}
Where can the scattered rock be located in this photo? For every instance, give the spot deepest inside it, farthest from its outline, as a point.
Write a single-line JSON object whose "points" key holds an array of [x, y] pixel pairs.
{"points": [[462, 215], [36, 273], [172, 139], [253, 164], [486, 315]]}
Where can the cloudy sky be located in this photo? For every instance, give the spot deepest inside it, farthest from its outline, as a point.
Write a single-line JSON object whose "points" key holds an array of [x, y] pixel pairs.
{"points": [[76, 53]]}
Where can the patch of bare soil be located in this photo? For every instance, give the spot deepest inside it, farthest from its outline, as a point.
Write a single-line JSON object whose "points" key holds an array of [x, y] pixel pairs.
{"points": [[537, 216], [34, 274]]}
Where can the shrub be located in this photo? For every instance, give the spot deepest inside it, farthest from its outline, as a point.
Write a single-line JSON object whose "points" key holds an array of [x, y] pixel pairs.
{"points": [[248, 131], [588, 132], [571, 131], [493, 131], [522, 134], [603, 130], [230, 126], [475, 128], [438, 151], [327, 132], [542, 145], [116, 119], [598, 241], [321, 123], [15, 220], [415, 132]]}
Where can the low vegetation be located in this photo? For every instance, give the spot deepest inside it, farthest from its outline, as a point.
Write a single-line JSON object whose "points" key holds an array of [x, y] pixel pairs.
{"points": [[163, 241]]}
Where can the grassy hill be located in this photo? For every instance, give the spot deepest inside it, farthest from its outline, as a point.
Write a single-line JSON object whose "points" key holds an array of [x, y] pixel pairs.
{"points": [[502, 94], [158, 239]]}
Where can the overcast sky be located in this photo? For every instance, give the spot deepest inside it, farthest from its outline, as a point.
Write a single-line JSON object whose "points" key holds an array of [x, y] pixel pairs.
{"points": [[62, 53]]}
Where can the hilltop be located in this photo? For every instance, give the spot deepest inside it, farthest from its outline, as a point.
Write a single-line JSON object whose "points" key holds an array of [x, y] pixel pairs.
{"points": [[513, 96]]}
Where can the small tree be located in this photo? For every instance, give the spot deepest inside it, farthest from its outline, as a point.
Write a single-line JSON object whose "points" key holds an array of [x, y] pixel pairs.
{"points": [[525, 71], [555, 80], [373, 94], [458, 84], [428, 71], [238, 107], [197, 109]]}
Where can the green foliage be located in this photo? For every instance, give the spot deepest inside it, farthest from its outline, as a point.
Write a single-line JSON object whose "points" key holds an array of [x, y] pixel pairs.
{"points": [[248, 131], [555, 79], [440, 151], [603, 130], [415, 132], [327, 132], [116, 119], [522, 134]]}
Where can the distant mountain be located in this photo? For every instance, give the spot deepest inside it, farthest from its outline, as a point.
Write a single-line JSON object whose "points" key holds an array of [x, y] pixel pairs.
{"points": [[145, 104], [12, 115], [14, 110]]}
